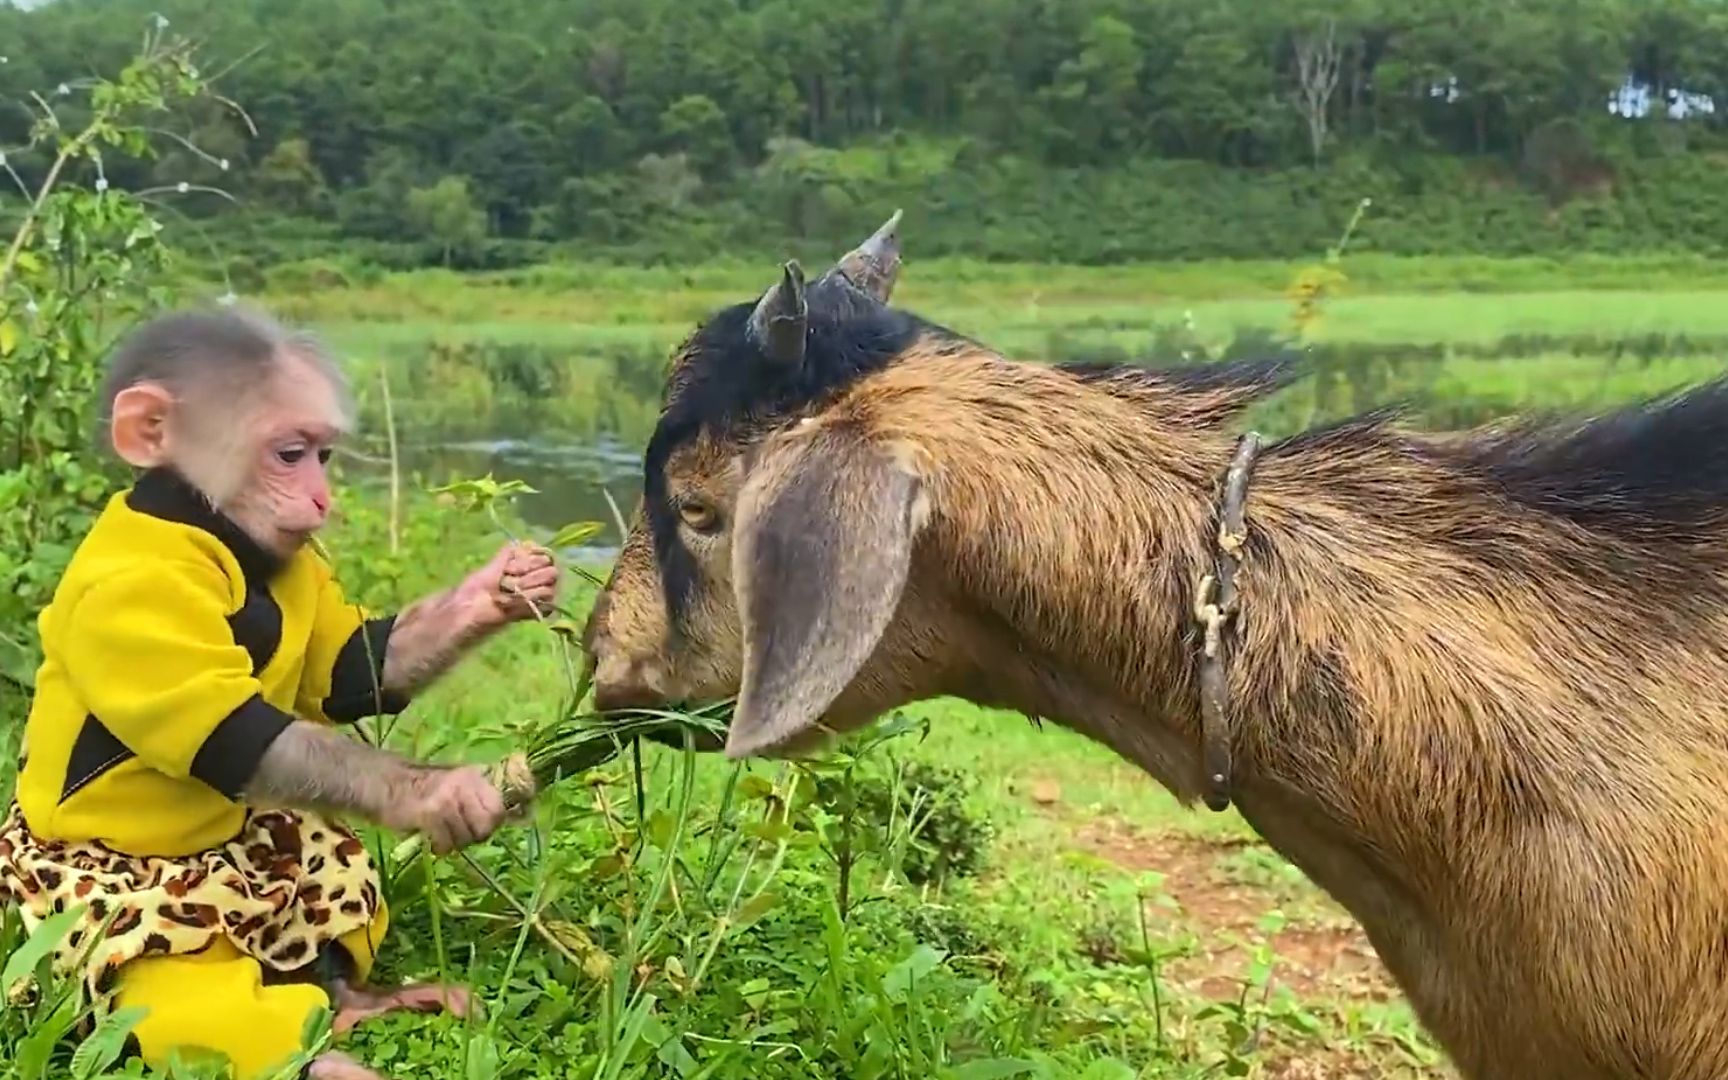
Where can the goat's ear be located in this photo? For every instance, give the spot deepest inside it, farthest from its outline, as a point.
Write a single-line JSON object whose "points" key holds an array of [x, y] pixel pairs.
{"points": [[820, 553]]}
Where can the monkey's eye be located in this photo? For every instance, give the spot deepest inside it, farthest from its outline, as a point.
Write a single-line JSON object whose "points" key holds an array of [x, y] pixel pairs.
{"points": [[698, 515], [291, 455], [324, 456]]}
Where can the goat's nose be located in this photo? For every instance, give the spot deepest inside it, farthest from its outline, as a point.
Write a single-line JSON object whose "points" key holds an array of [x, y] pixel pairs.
{"points": [[623, 683]]}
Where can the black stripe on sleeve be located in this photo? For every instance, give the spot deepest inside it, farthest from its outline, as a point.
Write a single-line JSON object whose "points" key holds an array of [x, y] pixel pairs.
{"points": [[230, 756], [357, 678], [95, 753]]}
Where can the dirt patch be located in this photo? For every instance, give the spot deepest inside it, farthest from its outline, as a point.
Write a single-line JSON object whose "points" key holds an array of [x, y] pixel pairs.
{"points": [[1326, 957], [1217, 892], [1211, 906]]}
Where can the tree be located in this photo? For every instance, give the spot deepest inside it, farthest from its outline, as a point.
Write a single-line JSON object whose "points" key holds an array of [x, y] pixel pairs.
{"points": [[447, 214], [289, 178], [696, 127], [1318, 60]]}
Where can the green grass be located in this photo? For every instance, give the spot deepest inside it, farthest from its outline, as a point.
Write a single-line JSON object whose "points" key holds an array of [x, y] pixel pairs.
{"points": [[1464, 340], [1559, 325], [1024, 326], [1019, 313]]}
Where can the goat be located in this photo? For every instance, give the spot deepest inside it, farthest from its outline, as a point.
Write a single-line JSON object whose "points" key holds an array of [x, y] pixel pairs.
{"points": [[1475, 687]]}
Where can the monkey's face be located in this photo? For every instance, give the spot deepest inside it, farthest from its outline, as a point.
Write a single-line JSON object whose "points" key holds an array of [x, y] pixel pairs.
{"points": [[284, 497], [258, 454], [290, 500]]}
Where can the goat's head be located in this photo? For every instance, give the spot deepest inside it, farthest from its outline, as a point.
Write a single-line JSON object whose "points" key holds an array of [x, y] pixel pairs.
{"points": [[772, 545]]}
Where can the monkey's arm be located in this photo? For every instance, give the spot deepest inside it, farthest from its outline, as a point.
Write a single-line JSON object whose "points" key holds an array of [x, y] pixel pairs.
{"points": [[312, 766], [429, 636], [150, 652], [361, 665]]}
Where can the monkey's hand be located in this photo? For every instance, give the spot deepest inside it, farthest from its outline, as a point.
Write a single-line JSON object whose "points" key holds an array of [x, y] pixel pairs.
{"points": [[520, 580], [312, 767], [453, 808]]}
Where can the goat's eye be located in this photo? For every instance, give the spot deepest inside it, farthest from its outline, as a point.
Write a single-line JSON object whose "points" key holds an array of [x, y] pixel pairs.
{"points": [[698, 515]]}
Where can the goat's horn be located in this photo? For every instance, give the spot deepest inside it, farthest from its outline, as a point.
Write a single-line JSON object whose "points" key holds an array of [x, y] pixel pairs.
{"points": [[781, 316], [874, 265]]}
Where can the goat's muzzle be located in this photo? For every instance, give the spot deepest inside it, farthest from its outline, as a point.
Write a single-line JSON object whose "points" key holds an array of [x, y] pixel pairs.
{"points": [[623, 683]]}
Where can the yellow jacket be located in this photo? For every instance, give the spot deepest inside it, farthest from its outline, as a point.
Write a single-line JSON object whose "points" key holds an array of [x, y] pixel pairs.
{"points": [[175, 650]]}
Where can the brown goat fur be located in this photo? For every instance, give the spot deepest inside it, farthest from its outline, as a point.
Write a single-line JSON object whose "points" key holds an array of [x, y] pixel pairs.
{"points": [[1479, 692]]}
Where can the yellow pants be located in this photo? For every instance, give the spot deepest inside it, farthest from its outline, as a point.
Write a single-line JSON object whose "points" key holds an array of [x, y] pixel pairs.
{"points": [[216, 1000]]}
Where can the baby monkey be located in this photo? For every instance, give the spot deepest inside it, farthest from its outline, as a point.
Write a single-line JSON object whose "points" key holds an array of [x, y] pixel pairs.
{"points": [[183, 770]]}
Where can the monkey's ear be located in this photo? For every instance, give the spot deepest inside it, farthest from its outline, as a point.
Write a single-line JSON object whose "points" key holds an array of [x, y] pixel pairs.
{"points": [[820, 554], [139, 428]]}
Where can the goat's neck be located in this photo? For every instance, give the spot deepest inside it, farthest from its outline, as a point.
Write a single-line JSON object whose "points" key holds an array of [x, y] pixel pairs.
{"points": [[1076, 550], [1081, 607], [1076, 540]]}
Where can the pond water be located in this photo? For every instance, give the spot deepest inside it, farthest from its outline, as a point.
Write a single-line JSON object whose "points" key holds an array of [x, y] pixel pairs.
{"points": [[571, 478]]}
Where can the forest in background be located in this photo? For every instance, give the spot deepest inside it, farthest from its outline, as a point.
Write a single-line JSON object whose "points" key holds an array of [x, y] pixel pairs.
{"points": [[405, 133]]}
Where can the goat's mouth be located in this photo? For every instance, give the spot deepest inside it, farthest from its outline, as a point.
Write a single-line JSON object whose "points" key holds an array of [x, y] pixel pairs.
{"points": [[705, 725]]}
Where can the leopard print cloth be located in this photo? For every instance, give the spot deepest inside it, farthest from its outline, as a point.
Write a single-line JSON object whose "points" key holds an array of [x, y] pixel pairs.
{"points": [[288, 883]]}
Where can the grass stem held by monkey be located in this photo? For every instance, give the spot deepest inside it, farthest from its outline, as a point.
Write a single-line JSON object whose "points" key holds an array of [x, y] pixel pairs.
{"points": [[578, 744]]}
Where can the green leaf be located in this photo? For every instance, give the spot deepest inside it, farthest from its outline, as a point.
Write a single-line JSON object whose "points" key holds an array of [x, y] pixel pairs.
{"points": [[1108, 1069], [18, 663], [669, 1048], [904, 975], [755, 787], [8, 337], [39, 945], [991, 1069], [35, 1050], [483, 1058], [634, 1025], [479, 493], [661, 825], [755, 992], [755, 907], [316, 1025], [104, 1046], [576, 533], [771, 831]]}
